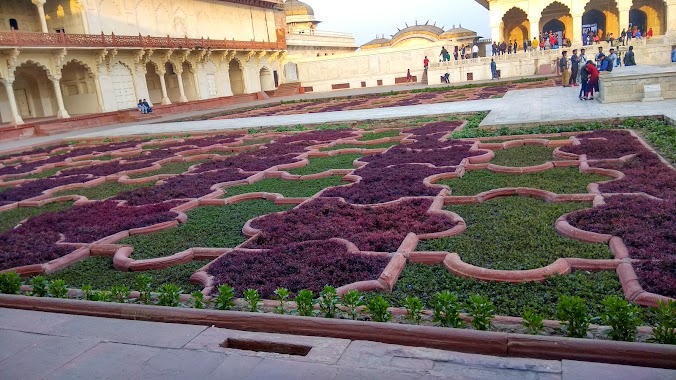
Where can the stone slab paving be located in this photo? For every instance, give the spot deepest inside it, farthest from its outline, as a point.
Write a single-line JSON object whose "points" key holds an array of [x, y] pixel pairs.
{"points": [[193, 352]]}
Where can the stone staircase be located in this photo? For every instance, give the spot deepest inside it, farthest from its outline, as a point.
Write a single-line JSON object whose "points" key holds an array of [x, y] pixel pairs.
{"points": [[424, 80], [288, 89]]}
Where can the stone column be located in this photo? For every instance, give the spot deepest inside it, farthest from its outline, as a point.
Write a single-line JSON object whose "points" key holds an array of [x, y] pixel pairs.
{"points": [[163, 84], [577, 30], [99, 94], [670, 27], [179, 76], [496, 33], [535, 30], [15, 118], [40, 4], [61, 113]]}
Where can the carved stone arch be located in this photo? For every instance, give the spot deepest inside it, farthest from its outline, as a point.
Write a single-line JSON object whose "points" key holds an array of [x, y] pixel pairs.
{"points": [[49, 72], [180, 22], [158, 68], [92, 72], [516, 25]]}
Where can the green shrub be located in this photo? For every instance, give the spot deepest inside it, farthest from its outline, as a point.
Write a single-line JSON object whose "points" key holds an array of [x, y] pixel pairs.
{"points": [[305, 303], [482, 310], [533, 322], [170, 295], [328, 301], [282, 295], [352, 300], [377, 308], [39, 284], [414, 307], [572, 312], [57, 289], [664, 331], [447, 309], [144, 286], [10, 283], [622, 317], [252, 298], [120, 293], [225, 298], [197, 300], [87, 293]]}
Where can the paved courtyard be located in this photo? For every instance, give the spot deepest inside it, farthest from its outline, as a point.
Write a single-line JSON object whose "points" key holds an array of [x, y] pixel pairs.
{"points": [[39, 345]]}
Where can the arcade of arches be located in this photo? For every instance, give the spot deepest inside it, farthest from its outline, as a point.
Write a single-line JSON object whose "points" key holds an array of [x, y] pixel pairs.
{"points": [[525, 19]]}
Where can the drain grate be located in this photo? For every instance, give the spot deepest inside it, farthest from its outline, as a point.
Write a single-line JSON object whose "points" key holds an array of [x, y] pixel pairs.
{"points": [[263, 346]]}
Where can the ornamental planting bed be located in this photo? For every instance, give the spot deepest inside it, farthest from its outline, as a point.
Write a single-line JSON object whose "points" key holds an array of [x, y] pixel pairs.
{"points": [[403, 211]]}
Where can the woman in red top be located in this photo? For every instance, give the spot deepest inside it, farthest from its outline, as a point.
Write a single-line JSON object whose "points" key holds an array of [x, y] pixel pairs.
{"points": [[593, 80], [426, 62]]}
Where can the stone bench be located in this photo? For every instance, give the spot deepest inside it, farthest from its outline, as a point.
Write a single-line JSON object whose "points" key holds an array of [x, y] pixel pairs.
{"points": [[638, 84]]}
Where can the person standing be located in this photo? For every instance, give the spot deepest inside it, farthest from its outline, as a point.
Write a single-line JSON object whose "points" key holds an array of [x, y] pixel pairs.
{"points": [[565, 69], [525, 45], [593, 80], [503, 48], [536, 43], [494, 48], [629, 59], [584, 38], [584, 78], [515, 47], [444, 54], [583, 61], [409, 77], [650, 33], [613, 59], [494, 70], [575, 65], [623, 37], [509, 47], [475, 51], [598, 56], [426, 63]]}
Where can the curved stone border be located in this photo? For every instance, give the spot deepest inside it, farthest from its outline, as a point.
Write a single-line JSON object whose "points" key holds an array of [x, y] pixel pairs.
{"points": [[463, 340]]}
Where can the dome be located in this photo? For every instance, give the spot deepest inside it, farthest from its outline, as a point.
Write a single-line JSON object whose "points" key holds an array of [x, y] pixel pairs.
{"points": [[419, 28], [297, 8], [377, 42]]}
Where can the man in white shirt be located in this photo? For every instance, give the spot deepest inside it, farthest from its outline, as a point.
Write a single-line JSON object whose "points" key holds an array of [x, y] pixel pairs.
{"points": [[475, 51]]}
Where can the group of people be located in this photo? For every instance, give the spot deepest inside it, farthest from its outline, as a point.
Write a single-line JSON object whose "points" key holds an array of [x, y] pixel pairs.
{"points": [[462, 52], [144, 107], [580, 69], [548, 40]]}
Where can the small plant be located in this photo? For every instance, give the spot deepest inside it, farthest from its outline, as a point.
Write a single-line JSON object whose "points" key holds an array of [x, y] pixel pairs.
{"points": [[572, 312], [10, 283], [102, 296], [352, 300], [39, 284], [533, 322], [225, 298], [197, 300], [120, 293], [143, 285], [305, 303], [447, 309], [57, 289], [170, 295], [377, 308], [328, 301], [622, 317], [282, 295], [664, 331], [414, 307], [482, 310], [87, 293], [251, 296]]}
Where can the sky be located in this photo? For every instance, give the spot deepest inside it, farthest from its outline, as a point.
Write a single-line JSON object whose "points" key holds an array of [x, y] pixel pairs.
{"points": [[367, 18]]}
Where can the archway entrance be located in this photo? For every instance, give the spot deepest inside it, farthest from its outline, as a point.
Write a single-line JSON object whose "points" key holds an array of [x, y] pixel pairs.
{"points": [[655, 15], [171, 79], [267, 80], [556, 18], [78, 89], [153, 83], [236, 77], [602, 15], [516, 26], [34, 92], [123, 86], [638, 18], [188, 77]]}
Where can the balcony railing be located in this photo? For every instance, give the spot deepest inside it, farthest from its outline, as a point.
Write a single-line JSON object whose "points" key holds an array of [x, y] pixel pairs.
{"points": [[29, 39], [322, 33]]}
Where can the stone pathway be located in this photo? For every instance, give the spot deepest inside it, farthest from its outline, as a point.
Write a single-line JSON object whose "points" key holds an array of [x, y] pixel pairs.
{"points": [[37, 345]]}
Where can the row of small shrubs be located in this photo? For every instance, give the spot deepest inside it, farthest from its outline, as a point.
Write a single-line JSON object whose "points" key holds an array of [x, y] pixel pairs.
{"points": [[622, 317]]}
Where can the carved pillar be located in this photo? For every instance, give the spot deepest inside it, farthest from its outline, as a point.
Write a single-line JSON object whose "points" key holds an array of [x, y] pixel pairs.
{"points": [[163, 84], [577, 29], [40, 4], [61, 113], [179, 76], [99, 94], [15, 118]]}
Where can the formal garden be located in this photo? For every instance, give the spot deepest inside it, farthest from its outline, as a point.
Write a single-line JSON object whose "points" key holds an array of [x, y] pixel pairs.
{"points": [[561, 230]]}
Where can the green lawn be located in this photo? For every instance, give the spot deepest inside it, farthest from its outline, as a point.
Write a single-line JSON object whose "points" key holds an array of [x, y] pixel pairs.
{"points": [[105, 190], [510, 299], [99, 273], [207, 227], [9, 219], [288, 188], [348, 146], [322, 164], [557, 180], [514, 233], [379, 135], [527, 155], [170, 168]]}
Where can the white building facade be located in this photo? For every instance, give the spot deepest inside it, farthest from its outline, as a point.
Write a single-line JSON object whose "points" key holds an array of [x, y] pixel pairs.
{"points": [[76, 57]]}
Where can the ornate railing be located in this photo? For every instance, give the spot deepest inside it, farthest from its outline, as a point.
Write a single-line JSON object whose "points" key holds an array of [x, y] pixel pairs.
{"points": [[29, 39]]}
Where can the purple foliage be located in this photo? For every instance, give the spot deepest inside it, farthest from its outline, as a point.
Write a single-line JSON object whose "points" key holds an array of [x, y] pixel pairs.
{"points": [[181, 186], [308, 265], [381, 228], [648, 227], [434, 128], [34, 247], [108, 168], [34, 188], [438, 154], [658, 276], [384, 184], [616, 144], [315, 136], [644, 173]]}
